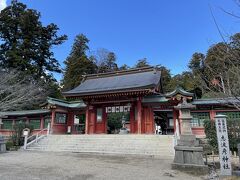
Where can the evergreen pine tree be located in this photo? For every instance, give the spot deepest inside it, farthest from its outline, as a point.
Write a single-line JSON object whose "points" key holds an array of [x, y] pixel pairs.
{"points": [[77, 63], [25, 44]]}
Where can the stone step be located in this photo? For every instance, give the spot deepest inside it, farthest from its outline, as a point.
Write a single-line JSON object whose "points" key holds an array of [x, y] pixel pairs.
{"points": [[111, 137], [104, 149], [153, 145], [99, 148], [159, 155]]}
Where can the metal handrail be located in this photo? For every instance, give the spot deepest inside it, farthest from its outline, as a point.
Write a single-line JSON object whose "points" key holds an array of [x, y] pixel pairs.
{"points": [[38, 136]]}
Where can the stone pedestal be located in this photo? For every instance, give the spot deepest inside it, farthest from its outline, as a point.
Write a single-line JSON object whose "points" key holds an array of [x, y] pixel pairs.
{"points": [[188, 153], [123, 131]]}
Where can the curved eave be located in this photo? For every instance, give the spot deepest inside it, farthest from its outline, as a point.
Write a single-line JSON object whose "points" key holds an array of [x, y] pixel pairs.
{"points": [[149, 88], [65, 104], [179, 91]]}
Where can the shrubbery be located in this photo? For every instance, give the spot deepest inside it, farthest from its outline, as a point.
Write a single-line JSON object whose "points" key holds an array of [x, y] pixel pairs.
{"points": [[17, 137], [114, 123], [9, 145]]}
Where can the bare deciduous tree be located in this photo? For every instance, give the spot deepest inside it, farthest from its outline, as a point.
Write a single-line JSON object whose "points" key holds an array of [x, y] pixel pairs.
{"points": [[18, 92]]}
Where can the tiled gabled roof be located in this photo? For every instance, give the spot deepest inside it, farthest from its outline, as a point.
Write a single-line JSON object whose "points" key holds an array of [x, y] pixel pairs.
{"points": [[144, 78], [25, 112]]}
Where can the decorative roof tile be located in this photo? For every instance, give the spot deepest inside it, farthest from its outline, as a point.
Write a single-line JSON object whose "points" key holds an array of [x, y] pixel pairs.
{"points": [[181, 91]]}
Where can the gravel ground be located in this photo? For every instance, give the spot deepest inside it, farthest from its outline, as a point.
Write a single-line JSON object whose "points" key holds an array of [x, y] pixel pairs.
{"points": [[23, 165]]}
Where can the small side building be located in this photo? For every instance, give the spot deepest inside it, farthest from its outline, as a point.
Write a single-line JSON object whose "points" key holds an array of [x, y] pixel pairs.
{"points": [[59, 113]]}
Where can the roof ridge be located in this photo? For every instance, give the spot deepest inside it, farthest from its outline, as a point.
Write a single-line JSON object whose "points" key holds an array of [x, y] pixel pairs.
{"points": [[121, 72]]}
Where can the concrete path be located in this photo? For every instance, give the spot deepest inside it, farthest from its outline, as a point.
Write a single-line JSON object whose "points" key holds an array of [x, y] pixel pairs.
{"points": [[23, 165]]}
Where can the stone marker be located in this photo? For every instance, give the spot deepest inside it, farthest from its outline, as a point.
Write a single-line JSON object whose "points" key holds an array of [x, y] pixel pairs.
{"points": [[223, 145], [188, 153]]}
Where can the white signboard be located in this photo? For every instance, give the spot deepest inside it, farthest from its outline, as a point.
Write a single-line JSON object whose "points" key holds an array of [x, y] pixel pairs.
{"points": [[116, 109], [223, 145]]}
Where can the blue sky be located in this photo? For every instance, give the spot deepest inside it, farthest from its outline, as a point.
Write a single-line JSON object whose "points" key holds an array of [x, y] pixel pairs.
{"points": [[165, 32]]}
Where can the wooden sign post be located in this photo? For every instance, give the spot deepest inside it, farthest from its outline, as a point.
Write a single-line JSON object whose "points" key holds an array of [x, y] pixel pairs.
{"points": [[223, 145]]}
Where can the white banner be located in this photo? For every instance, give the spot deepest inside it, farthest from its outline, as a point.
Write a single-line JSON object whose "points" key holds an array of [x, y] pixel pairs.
{"points": [[223, 145]]}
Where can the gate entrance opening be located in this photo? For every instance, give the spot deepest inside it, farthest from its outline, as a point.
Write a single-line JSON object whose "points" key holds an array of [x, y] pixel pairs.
{"points": [[164, 124], [115, 121]]}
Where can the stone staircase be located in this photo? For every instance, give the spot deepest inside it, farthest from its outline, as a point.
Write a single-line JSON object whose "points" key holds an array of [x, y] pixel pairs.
{"points": [[150, 145]]}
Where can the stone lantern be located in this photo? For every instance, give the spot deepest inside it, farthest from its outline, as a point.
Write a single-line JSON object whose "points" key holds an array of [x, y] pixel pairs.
{"points": [[188, 153], [123, 130]]}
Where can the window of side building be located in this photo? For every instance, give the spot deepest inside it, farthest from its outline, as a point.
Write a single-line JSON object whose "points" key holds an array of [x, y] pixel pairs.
{"points": [[99, 114], [233, 122], [199, 118], [60, 118], [231, 114], [35, 123], [20, 121], [7, 124]]}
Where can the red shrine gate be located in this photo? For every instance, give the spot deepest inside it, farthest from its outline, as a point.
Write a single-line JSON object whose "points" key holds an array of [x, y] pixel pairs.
{"points": [[141, 119], [121, 91]]}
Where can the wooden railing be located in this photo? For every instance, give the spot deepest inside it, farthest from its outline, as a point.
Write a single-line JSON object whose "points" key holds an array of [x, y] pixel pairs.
{"points": [[28, 140]]}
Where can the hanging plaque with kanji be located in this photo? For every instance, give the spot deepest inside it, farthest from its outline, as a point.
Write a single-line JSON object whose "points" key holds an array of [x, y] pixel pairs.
{"points": [[223, 145]]}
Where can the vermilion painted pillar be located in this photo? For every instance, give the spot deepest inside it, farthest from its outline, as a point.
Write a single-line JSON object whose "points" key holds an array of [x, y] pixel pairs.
{"points": [[93, 121], [144, 120], [212, 114], [105, 119], [87, 120], [70, 120], [132, 118], [52, 121], [139, 115], [27, 121], [175, 117], [180, 122], [152, 120], [41, 122]]}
